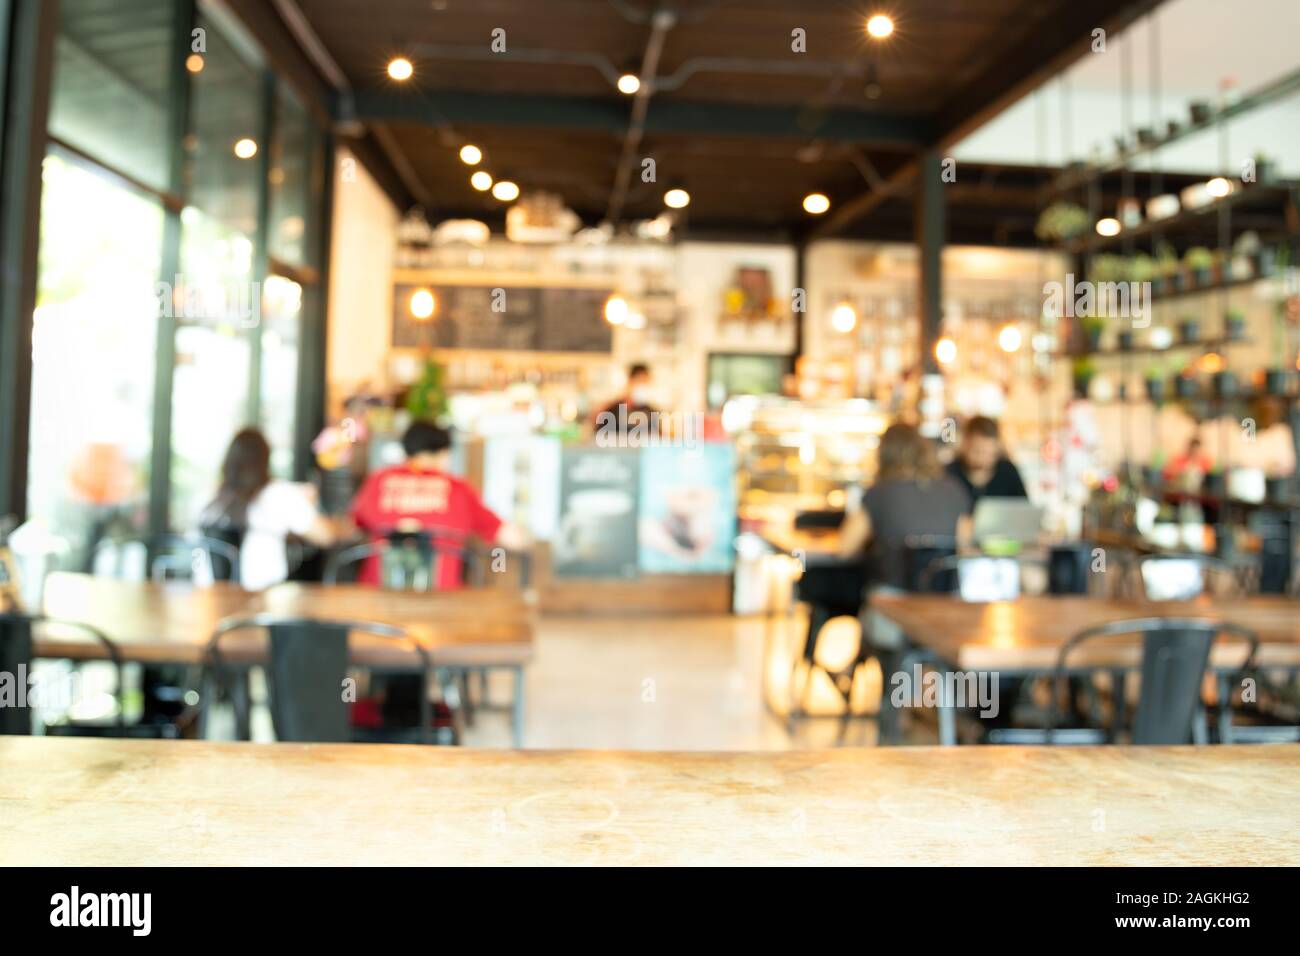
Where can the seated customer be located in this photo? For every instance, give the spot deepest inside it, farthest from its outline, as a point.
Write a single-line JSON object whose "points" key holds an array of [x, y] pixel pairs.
{"points": [[911, 497], [982, 467], [259, 514], [421, 495]]}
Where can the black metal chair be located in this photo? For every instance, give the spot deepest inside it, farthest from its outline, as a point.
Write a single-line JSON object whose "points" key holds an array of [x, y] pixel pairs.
{"points": [[409, 561], [16, 655], [174, 556], [306, 673], [1175, 655], [919, 553], [413, 561]]}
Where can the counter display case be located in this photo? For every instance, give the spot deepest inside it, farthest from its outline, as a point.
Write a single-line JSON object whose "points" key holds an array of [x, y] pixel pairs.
{"points": [[797, 456]]}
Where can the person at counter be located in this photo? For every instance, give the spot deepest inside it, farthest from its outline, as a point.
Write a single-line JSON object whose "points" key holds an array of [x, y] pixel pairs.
{"points": [[982, 467], [636, 400], [421, 496]]}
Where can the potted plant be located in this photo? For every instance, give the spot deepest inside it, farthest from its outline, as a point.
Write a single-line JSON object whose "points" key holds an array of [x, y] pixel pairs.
{"points": [[1172, 128], [1200, 112], [1189, 330], [1093, 326], [1277, 380], [1234, 325], [1108, 267], [1225, 383], [1200, 261], [1082, 370], [1155, 381], [1061, 222], [1166, 269], [1265, 170], [1186, 384], [1146, 135], [1141, 268]]}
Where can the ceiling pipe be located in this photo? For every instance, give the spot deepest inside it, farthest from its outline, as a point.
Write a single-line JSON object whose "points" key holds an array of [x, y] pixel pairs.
{"points": [[662, 22], [610, 71]]}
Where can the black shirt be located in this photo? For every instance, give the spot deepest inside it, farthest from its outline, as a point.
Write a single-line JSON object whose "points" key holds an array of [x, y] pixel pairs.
{"points": [[1004, 483]]}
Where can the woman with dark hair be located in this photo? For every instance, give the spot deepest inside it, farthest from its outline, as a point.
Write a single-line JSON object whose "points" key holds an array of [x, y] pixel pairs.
{"points": [[262, 512]]}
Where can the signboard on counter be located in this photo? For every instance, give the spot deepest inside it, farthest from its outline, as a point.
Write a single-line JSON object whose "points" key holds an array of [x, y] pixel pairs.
{"points": [[517, 318], [521, 481], [597, 532], [687, 510]]}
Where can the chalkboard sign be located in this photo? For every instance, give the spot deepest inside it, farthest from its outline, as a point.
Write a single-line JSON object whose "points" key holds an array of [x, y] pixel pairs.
{"points": [[518, 318]]}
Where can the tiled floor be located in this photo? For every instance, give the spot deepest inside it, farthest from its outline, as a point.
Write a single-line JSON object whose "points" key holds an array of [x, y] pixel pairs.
{"points": [[679, 683], [715, 682]]}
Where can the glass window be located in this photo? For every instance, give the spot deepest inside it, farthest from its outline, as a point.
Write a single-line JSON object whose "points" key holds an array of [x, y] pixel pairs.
{"points": [[224, 146], [110, 86], [291, 172], [215, 309], [281, 327], [93, 351]]}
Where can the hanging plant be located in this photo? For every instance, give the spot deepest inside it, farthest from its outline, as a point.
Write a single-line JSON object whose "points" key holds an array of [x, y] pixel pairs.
{"points": [[1062, 221]]}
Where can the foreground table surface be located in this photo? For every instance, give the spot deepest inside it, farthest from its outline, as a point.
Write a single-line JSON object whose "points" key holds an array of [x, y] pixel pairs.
{"points": [[105, 802], [1029, 631]]}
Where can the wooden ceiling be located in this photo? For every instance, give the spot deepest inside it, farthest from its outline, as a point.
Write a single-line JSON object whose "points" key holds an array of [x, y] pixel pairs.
{"points": [[744, 123]]}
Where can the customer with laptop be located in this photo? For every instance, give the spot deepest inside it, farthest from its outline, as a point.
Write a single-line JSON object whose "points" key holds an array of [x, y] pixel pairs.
{"points": [[981, 465]]}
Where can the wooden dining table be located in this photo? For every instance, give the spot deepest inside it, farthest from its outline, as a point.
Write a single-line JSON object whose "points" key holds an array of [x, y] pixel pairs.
{"points": [[1025, 636], [171, 623], [104, 802]]}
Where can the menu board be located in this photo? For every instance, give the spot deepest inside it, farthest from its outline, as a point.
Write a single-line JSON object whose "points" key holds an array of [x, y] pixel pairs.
{"points": [[687, 512], [597, 532], [518, 318]]}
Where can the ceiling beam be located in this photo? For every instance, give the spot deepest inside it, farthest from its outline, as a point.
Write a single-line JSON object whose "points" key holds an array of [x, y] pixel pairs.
{"points": [[662, 116], [1042, 48]]}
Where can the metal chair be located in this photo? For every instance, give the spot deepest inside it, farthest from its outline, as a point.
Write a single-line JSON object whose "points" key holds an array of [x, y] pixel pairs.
{"points": [[306, 672], [16, 656], [1175, 655], [198, 557], [921, 551], [408, 561]]}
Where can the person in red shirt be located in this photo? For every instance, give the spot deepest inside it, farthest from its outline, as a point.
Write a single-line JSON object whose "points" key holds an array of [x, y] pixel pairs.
{"points": [[421, 495]]}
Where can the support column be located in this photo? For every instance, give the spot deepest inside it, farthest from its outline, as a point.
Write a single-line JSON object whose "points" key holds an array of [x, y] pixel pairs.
{"points": [[26, 63], [930, 233]]}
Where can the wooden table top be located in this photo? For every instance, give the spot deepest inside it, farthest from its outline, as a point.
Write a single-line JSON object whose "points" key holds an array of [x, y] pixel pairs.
{"points": [[84, 802], [171, 623], [1029, 631]]}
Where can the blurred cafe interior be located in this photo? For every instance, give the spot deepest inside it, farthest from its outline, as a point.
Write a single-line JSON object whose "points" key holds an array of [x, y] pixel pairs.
{"points": [[858, 402]]}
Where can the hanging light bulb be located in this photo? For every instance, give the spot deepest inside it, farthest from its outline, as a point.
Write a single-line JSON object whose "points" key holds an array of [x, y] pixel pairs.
{"points": [[945, 350], [616, 310], [400, 69], [843, 318], [423, 304], [1009, 338]]}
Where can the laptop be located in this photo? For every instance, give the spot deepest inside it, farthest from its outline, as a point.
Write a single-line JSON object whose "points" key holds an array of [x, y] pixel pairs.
{"points": [[1013, 519]]}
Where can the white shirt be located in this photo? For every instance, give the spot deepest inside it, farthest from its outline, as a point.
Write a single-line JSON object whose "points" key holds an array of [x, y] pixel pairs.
{"points": [[280, 509]]}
